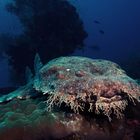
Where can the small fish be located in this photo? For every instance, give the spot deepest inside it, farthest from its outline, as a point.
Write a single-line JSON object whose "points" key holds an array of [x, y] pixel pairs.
{"points": [[101, 31], [95, 47], [97, 22]]}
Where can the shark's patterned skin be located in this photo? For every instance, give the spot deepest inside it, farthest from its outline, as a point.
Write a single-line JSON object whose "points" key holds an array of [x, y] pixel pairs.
{"points": [[83, 85]]}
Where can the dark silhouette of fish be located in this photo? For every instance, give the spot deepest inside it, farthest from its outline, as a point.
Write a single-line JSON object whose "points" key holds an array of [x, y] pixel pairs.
{"points": [[95, 47], [101, 31], [97, 22]]}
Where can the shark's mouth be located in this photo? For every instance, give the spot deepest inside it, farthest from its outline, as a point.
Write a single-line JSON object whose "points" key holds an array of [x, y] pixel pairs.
{"points": [[105, 103]]}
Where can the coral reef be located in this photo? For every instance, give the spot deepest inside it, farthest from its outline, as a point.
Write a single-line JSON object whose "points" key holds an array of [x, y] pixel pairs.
{"points": [[29, 120], [72, 98]]}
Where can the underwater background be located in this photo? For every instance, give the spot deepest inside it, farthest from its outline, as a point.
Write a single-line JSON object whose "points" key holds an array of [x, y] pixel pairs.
{"points": [[34, 32], [112, 27]]}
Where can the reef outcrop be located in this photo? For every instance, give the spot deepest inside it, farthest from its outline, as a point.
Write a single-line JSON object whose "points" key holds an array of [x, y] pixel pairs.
{"points": [[72, 98]]}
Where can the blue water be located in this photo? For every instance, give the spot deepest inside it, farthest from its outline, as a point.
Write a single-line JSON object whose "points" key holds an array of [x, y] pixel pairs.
{"points": [[119, 20], [37, 30]]}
